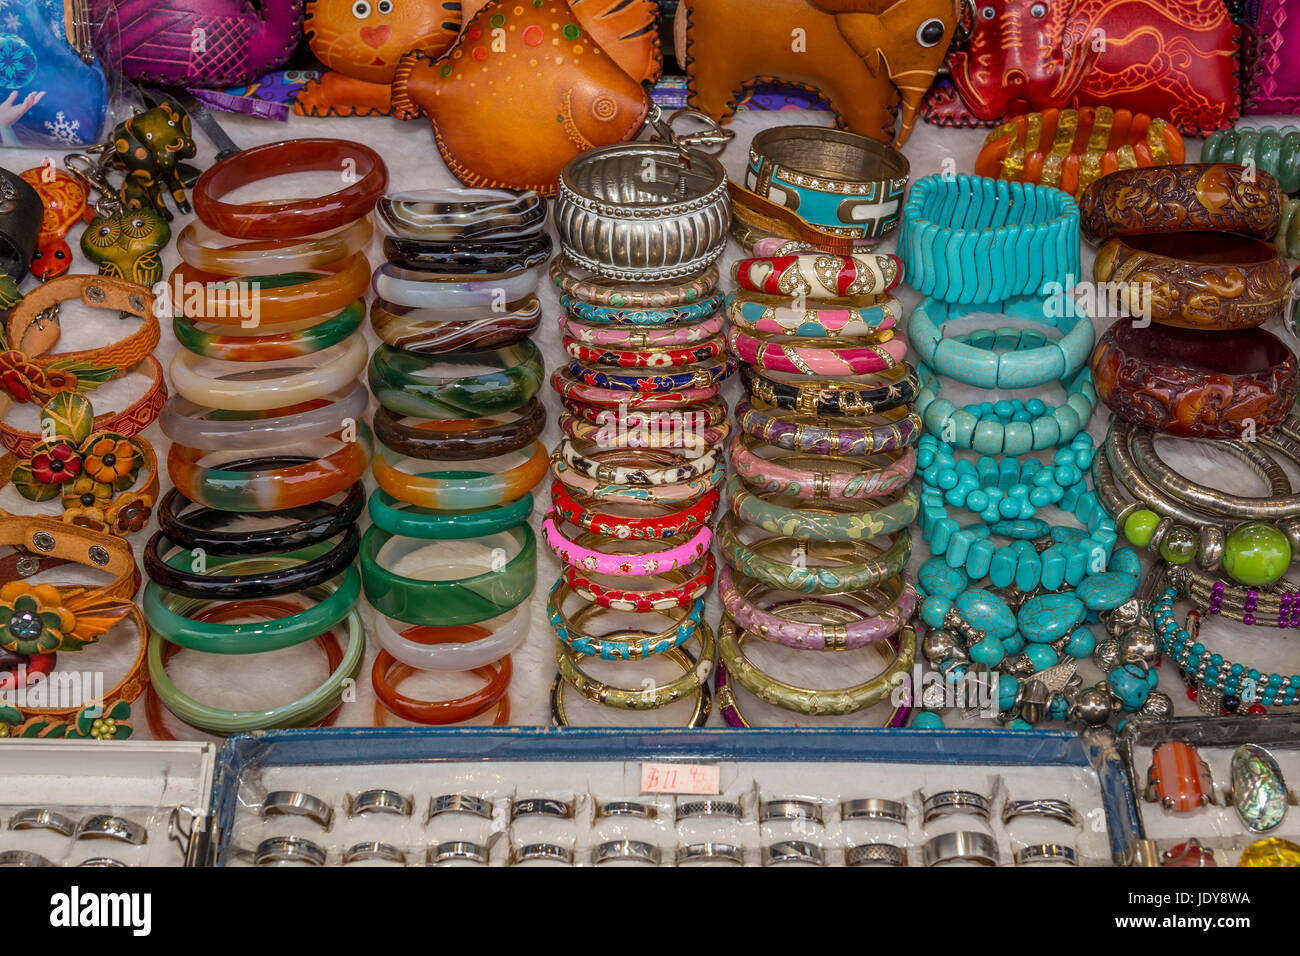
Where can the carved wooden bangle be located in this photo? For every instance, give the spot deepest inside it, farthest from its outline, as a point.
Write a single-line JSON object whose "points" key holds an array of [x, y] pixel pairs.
{"points": [[1193, 197], [1197, 280], [1192, 385]]}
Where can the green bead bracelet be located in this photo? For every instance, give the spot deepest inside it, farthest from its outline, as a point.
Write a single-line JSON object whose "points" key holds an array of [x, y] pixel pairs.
{"points": [[449, 602], [411, 521], [404, 384]]}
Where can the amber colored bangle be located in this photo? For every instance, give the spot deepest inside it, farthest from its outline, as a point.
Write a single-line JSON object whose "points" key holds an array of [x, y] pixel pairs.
{"points": [[236, 302], [674, 522], [400, 672], [459, 490], [212, 252], [460, 439], [1212, 281], [297, 217], [440, 711]]}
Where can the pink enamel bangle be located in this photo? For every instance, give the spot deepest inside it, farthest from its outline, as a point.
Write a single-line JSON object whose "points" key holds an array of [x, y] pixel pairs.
{"points": [[818, 637], [620, 434], [819, 275], [800, 357], [770, 476], [625, 565], [641, 337], [595, 490], [564, 382], [777, 315]]}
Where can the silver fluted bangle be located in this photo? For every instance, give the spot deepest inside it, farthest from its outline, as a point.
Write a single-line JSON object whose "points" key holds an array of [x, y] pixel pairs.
{"points": [[639, 212]]}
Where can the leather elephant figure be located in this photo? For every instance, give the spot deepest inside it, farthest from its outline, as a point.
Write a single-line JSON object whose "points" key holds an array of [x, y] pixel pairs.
{"points": [[872, 59]]}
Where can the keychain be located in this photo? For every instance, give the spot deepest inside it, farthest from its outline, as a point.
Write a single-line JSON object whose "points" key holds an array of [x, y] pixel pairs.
{"points": [[125, 243]]}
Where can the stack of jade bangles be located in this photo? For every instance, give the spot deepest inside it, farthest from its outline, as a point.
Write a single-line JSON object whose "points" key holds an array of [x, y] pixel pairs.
{"points": [[1275, 151], [266, 420], [451, 560], [639, 469], [1007, 597]]}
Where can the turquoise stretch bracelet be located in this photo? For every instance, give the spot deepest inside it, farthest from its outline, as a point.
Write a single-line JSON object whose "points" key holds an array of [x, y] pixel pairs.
{"points": [[412, 521], [970, 239], [1006, 358], [1006, 426]]}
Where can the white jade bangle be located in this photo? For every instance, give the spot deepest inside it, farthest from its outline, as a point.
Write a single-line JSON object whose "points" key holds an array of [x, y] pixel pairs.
{"points": [[419, 290], [508, 631], [206, 249], [236, 385], [190, 424]]}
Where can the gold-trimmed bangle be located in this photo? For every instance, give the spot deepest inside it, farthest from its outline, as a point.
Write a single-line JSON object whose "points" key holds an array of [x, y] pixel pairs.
{"points": [[703, 701], [652, 698]]}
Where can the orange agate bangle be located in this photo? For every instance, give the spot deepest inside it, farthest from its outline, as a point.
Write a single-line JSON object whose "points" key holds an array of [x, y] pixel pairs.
{"points": [[387, 671], [460, 490], [206, 249], [235, 302], [1069, 149]]}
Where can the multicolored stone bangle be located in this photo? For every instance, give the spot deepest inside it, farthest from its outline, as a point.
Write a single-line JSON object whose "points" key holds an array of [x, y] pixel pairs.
{"points": [[214, 252], [460, 490], [435, 331], [453, 439], [411, 384], [411, 521], [831, 521], [274, 346], [468, 257], [193, 526], [201, 426], [276, 300]]}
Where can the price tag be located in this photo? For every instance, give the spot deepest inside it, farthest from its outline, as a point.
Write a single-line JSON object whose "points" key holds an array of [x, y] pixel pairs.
{"points": [[695, 778]]}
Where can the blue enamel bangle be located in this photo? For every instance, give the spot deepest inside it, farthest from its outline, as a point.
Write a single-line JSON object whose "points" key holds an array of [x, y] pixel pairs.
{"points": [[701, 375], [412, 521], [968, 239], [620, 647], [611, 315], [1006, 426], [1004, 358]]}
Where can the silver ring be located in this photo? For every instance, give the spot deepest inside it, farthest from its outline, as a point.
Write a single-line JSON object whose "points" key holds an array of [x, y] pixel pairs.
{"points": [[636, 851], [962, 846], [22, 858], [457, 850], [541, 807], [101, 861], [374, 850], [626, 808], [289, 849], [873, 808], [1059, 810], [708, 808], [949, 802], [106, 826], [794, 851], [789, 810], [379, 801], [710, 852], [875, 854], [292, 803], [1047, 853], [549, 852], [460, 803], [40, 818]]}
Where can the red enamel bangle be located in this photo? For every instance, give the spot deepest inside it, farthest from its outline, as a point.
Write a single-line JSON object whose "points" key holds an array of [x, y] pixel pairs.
{"points": [[297, 217], [682, 594], [819, 275], [645, 358], [568, 386], [667, 525]]}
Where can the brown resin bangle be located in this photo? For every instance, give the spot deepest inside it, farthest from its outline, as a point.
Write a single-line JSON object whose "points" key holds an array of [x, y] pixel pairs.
{"points": [[460, 439], [1192, 385], [1193, 197], [434, 331], [1206, 281]]}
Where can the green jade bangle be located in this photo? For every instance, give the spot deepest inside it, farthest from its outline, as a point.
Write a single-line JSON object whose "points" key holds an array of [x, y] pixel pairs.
{"points": [[273, 346], [167, 613], [304, 712], [448, 603], [795, 519], [403, 383], [411, 521]]}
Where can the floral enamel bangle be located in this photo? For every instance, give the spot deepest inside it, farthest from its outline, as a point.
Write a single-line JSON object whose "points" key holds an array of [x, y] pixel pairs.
{"points": [[687, 588], [419, 290], [570, 387], [674, 523], [273, 347], [867, 395], [411, 521], [278, 299], [268, 484], [409, 384], [201, 426], [573, 633], [595, 490], [446, 215], [794, 431], [833, 521], [303, 568], [819, 275], [822, 477], [626, 467], [461, 439], [642, 318], [244, 387], [775, 315], [702, 375], [669, 434], [621, 337], [597, 290], [291, 218], [700, 713], [201, 527], [461, 490], [434, 331], [468, 257], [688, 419], [653, 697], [650, 357], [813, 356], [455, 601], [623, 564], [213, 252]]}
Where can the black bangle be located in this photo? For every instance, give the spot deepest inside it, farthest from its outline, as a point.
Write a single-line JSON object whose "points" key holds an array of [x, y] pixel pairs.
{"points": [[435, 443], [254, 584], [310, 523], [816, 400], [503, 257]]}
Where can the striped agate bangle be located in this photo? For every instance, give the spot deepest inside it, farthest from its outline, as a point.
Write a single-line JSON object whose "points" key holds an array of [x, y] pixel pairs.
{"points": [[445, 330], [271, 347], [199, 426], [410, 288]]}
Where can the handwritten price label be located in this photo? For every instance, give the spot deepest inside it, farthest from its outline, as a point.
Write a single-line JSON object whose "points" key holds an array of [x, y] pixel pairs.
{"points": [[694, 778]]}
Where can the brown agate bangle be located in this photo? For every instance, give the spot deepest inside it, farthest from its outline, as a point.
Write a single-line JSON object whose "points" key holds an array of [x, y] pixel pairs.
{"points": [[1193, 197], [433, 331], [1192, 385], [1210, 280], [460, 439]]}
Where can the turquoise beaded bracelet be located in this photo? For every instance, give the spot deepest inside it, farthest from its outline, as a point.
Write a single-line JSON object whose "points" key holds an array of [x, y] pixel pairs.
{"points": [[412, 521], [970, 239], [1007, 426], [1004, 358]]}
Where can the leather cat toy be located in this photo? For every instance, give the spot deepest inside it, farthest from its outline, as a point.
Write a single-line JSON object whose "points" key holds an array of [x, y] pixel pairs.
{"points": [[872, 59], [527, 86], [361, 42]]}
